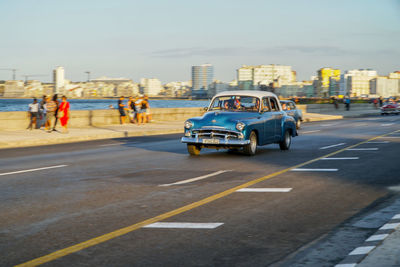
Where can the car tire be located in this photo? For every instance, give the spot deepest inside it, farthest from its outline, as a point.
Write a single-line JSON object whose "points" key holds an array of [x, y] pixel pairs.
{"points": [[287, 140], [298, 124], [251, 148], [193, 150]]}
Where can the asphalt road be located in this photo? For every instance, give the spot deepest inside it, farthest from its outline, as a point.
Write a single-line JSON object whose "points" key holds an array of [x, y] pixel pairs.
{"points": [[91, 203]]}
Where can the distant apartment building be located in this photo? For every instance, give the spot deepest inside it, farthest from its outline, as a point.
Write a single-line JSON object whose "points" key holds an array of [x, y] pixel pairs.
{"points": [[252, 77], [202, 77], [356, 82], [14, 88], [394, 75], [177, 89], [325, 76], [58, 79], [217, 87], [385, 86], [150, 87], [34, 88]]}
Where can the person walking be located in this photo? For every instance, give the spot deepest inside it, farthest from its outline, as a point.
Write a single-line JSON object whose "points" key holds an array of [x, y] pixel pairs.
{"points": [[51, 107], [33, 112], [121, 109], [55, 99], [64, 113]]}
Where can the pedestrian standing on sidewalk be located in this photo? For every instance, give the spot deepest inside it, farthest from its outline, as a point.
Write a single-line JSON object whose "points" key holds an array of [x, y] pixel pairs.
{"points": [[347, 102], [335, 103], [55, 99], [121, 109], [51, 107], [380, 101], [375, 103], [143, 109], [64, 113], [42, 112], [132, 109], [148, 111], [33, 113]]}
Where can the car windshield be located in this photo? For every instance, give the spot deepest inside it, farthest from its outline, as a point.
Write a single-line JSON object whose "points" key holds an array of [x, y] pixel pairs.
{"points": [[236, 103]]}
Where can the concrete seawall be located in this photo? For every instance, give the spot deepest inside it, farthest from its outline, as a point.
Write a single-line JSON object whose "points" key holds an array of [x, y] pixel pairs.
{"points": [[18, 120]]}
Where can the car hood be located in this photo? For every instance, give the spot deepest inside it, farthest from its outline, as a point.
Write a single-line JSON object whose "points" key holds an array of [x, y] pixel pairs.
{"points": [[224, 119]]}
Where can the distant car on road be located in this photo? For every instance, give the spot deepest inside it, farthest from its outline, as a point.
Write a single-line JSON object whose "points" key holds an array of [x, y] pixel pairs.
{"points": [[390, 107], [240, 120], [291, 109]]}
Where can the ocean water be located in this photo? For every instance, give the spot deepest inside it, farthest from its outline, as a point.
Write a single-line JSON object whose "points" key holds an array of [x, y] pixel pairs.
{"points": [[91, 104]]}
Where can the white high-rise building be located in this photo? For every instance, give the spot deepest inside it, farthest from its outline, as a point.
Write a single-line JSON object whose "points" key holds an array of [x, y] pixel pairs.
{"points": [[385, 87], [58, 79], [150, 87], [264, 75], [356, 82]]}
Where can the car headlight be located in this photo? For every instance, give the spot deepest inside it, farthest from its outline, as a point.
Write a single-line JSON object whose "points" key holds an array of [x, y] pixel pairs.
{"points": [[188, 124], [240, 126]]}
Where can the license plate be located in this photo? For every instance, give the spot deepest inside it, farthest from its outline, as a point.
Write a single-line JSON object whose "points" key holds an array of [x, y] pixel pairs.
{"points": [[210, 141]]}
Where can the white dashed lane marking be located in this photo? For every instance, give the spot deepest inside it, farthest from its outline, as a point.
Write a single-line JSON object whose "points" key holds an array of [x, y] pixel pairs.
{"points": [[183, 225], [378, 142], [326, 147], [196, 178], [313, 170], [344, 158], [33, 170], [363, 149], [306, 132], [387, 124], [265, 190]]}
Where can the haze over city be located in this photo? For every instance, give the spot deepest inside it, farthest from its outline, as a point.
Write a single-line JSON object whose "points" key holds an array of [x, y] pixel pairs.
{"points": [[162, 39]]}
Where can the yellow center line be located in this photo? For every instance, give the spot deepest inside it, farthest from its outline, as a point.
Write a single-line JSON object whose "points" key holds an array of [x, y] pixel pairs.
{"points": [[122, 231]]}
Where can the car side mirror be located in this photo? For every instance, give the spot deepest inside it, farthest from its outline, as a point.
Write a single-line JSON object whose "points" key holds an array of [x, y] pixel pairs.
{"points": [[205, 108]]}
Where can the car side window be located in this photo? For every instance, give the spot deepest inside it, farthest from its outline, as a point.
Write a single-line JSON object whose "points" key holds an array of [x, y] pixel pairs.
{"points": [[274, 105], [266, 107], [292, 106]]}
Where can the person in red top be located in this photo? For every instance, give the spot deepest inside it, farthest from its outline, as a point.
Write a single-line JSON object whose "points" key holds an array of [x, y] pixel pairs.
{"points": [[64, 113]]}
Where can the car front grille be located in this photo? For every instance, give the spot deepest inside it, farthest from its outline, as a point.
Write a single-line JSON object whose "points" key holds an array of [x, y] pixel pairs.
{"points": [[214, 132]]}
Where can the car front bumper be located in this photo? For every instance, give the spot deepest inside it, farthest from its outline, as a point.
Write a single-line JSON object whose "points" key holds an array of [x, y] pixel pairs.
{"points": [[221, 142]]}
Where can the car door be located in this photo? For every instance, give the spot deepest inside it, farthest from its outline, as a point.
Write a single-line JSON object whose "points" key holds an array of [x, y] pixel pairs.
{"points": [[268, 135], [277, 116]]}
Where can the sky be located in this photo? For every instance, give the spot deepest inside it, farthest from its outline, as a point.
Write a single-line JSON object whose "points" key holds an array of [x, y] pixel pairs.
{"points": [[163, 39]]}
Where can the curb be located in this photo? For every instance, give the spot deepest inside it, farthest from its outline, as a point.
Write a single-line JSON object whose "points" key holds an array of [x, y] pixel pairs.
{"points": [[71, 139], [359, 253]]}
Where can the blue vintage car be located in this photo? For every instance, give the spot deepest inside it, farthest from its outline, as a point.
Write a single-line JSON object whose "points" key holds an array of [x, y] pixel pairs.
{"points": [[291, 109], [240, 120]]}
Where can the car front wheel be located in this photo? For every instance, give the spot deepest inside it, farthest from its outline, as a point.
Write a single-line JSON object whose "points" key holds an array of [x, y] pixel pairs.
{"points": [[251, 148], [193, 150], [287, 140]]}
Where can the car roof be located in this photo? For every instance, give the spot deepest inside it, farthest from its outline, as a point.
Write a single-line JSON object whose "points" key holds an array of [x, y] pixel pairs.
{"points": [[246, 93], [286, 101]]}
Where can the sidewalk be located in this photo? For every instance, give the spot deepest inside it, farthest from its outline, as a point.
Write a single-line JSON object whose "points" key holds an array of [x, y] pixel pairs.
{"points": [[11, 139], [386, 254]]}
